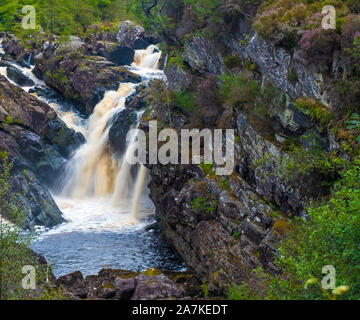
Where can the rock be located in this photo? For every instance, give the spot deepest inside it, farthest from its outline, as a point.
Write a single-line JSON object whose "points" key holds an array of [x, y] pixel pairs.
{"points": [[38, 204], [16, 51], [75, 283], [18, 77], [202, 55], [120, 125], [213, 244], [117, 284], [13, 47], [156, 287], [125, 288], [133, 36], [122, 56], [82, 79], [277, 64], [38, 142], [178, 80]]}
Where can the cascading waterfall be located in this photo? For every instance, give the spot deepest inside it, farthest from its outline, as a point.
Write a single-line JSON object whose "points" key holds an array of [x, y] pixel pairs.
{"points": [[94, 172], [102, 200]]}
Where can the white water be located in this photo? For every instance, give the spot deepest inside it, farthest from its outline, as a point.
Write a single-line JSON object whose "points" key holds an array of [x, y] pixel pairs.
{"points": [[99, 192], [71, 118]]}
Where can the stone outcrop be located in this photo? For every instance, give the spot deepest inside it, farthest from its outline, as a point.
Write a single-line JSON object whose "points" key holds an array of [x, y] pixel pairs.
{"points": [[203, 56], [38, 142], [222, 232], [133, 36], [80, 78]]}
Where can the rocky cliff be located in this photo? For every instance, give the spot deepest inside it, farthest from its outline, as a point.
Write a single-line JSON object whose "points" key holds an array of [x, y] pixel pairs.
{"points": [[225, 227], [39, 143]]}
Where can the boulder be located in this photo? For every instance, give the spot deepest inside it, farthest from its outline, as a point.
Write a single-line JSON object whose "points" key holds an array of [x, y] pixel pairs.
{"points": [[156, 287], [121, 123], [133, 36], [19, 77], [74, 283], [117, 284], [122, 56], [125, 288]]}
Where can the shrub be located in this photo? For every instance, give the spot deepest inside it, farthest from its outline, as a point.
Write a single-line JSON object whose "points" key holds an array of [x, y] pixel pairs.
{"points": [[233, 62], [243, 91], [354, 124], [207, 92], [317, 45], [186, 100], [350, 28], [283, 21], [315, 110], [203, 206], [14, 242]]}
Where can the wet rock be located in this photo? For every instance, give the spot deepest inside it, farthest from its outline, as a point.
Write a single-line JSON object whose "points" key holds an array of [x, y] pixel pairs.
{"points": [[133, 36], [38, 142], [80, 78], [122, 56], [35, 199], [120, 125], [38, 204], [18, 77]]}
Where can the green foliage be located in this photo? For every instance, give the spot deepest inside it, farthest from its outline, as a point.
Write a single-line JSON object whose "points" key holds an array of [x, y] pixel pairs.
{"points": [[14, 242], [242, 91], [186, 100], [354, 124], [202, 205], [209, 168], [293, 76], [242, 292], [330, 237], [302, 162], [315, 110], [63, 16], [233, 62], [283, 21], [176, 58]]}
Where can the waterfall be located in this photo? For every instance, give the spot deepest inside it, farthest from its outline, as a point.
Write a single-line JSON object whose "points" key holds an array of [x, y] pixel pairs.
{"points": [[139, 186], [94, 172], [96, 185]]}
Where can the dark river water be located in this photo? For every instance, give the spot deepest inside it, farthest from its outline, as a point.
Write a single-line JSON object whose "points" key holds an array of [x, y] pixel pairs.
{"points": [[89, 252]]}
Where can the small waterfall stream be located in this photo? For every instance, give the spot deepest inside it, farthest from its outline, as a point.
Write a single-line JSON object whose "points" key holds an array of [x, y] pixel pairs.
{"points": [[106, 206]]}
